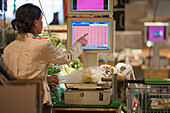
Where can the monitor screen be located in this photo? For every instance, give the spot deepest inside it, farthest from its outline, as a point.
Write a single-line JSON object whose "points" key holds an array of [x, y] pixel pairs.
{"points": [[94, 7], [90, 5], [156, 31], [100, 33]]}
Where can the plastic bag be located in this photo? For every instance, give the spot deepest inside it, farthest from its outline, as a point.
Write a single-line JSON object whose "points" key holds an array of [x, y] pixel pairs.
{"points": [[91, 74]]}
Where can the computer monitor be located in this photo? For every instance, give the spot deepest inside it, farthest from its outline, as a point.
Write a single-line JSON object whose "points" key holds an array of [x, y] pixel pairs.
{"points": [[156, 31], [93, 7], [100, 33]]}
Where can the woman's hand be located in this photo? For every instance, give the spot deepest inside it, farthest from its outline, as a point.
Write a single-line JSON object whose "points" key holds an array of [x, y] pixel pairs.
{"points": [[52, 80], [82, 40]]}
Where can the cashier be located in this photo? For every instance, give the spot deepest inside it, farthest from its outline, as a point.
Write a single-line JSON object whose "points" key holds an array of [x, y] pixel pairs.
{"points": [[29, 58]]}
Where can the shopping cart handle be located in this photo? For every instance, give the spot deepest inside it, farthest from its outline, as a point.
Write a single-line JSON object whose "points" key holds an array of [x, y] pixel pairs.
{"points": [[133, 81]]}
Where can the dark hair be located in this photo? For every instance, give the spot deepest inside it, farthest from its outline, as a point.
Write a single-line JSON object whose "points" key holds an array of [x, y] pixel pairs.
{"points": [[25, 17]]}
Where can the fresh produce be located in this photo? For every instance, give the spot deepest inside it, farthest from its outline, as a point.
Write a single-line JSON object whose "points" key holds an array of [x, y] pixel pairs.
{"points": [[54, 38], [52, 69], [69, 70], [77, 64], [124, 108], [73, 66]]}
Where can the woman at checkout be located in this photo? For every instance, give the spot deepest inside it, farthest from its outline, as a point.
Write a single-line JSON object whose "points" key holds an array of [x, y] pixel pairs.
{"points": [[29, 58]]}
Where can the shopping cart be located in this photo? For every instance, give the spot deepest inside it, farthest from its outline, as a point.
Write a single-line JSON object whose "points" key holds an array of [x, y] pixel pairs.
{"points": [[148, 96]]}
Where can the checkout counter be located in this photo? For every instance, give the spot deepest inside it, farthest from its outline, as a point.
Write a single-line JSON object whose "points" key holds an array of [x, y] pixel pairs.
{"points": [[77, 98]]}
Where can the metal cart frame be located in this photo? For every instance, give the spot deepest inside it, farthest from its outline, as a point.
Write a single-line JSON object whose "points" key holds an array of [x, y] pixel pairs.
{"points": [[147, 98]]}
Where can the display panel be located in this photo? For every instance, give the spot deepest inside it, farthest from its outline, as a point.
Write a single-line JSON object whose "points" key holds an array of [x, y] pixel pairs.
{"points": [[87, 5], [156, 31], [94, 7], [100, 33]]}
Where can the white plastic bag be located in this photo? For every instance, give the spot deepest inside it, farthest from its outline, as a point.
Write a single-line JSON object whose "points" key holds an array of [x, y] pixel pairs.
{"points": [[91, 74]]}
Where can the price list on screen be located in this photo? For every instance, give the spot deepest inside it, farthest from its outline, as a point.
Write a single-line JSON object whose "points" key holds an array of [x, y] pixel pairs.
{"points": [[97, 37]]}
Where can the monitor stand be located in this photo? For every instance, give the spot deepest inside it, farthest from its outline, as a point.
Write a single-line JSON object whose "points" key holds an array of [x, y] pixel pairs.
{"points": [[156, 60], [156, 56], [91, 59]]}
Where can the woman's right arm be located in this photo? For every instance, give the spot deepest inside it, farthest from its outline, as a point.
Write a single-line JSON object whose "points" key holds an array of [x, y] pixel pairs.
{"points": [[58, 56]]}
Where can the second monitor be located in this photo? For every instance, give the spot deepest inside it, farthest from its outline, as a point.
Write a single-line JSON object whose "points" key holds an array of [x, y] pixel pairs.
{"points": [[93, 7], [100, 33], [156, 31]]}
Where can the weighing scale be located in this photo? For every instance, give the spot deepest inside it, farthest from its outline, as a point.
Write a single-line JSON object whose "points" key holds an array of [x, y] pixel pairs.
{"points": [[88, 94], [99, 93]]}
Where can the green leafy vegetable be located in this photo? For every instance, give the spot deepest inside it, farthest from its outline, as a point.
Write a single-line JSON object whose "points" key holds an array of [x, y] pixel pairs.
{"points": [[52, 69]]}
